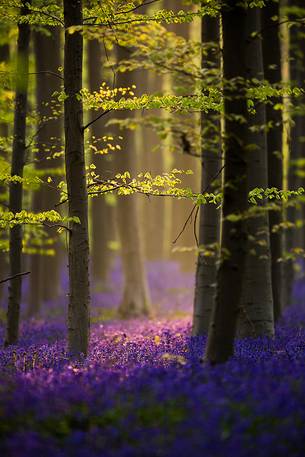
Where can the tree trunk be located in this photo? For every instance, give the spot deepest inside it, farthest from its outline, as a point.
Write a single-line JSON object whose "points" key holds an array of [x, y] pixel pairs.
{"points": [[256, 309], [16, 189], [294, 238], [48, 59], [230, 275], [135, 301], [4, 57], [101, 212], [209, 215], [272, 72], [78, 315]]}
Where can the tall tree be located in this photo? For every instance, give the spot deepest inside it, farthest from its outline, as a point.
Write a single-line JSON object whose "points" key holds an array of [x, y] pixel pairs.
{"points": [[48, 80], [4, 57], [256, 306], [295, 177], [209, 214], [136, 300], [230, 275], [16, 189], [79, 296], [101, 212], [272, 73]]}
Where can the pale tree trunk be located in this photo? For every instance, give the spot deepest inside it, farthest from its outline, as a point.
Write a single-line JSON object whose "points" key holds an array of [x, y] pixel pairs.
{"points": [[230, 274], [209, 223], [272, 73], [79, 297], [182, 159], [16, 189], [256, 307], [101, 212], [157, 158], [4, 57], [47, 58], [136, 300]]}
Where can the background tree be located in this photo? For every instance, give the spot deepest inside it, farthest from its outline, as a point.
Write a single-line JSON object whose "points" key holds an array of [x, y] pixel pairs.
{"points": [[4, 132], [102, 213], [16, 188], [47, 49], [135, 301], [272, 73]]}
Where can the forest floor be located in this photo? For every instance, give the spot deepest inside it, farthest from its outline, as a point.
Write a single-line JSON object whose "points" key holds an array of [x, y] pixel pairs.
{"points": [[143, 392]]}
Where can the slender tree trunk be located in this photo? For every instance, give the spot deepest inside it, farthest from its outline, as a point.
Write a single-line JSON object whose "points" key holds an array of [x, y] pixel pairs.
{"points": [[256, 309], [230, 275], [272, 72], [16, 189], [48, 59], [136, 300], [209, 215], [4, 57], [101, 212], [79, 297]]}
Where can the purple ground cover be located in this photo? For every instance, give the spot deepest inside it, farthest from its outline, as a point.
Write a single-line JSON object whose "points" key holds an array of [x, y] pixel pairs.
{"points": [[143, 392]]}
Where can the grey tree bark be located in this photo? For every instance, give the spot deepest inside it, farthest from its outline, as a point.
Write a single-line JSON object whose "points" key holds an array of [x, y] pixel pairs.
{"points": [[47, 59], [230, 275], [79, 296], [272, 72], [101, 212], [136, 300], [293, 237], [256, 306], [4, 131], [16, 189], [209, 224]]}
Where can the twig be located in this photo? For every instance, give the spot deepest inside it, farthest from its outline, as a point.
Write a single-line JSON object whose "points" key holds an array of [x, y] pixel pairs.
{"points": [[96, 119], [194, 207], [185, 223], [14, 276], [47, 72]]}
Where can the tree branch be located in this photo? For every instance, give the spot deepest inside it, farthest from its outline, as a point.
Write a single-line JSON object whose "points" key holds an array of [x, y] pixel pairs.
{"points": [[14, 276]]}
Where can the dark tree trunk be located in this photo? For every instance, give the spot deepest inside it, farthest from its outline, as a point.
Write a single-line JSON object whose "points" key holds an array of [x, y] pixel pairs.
{"points": [[4, 57], [16, 189], [235, 200], [101, 212], [295, 237], [256, 307], [209, 214], [48, 59], [79, 297], [272, 71]]}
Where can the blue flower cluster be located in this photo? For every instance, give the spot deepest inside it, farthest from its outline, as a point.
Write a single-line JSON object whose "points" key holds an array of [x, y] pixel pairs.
{"points": [[143, 392]]}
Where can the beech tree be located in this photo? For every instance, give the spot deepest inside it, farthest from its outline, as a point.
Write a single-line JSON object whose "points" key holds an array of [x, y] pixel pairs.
{"points": [[135, 301], [209, 223], [16, 188], [230, 274], [4, 131], [101, 212], [79, 296], [256, 305], [49, 142], [272, 73]]}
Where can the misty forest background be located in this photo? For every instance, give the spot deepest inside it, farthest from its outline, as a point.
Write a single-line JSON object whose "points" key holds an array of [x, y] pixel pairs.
{"points": [[152, 227]]}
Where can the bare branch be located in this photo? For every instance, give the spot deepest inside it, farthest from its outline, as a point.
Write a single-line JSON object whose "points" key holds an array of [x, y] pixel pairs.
{"points": [[14, 276]]}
